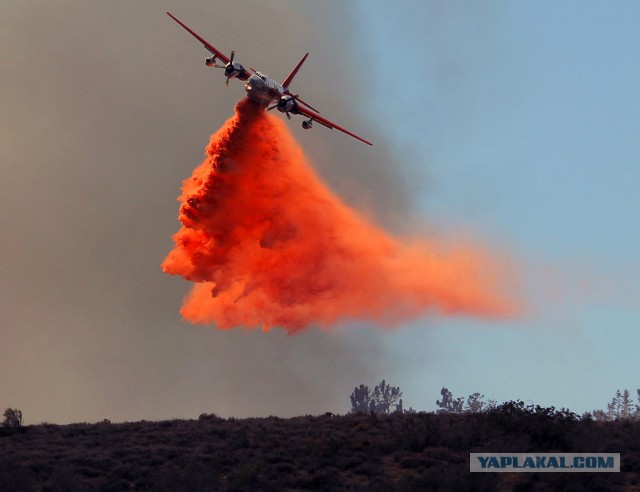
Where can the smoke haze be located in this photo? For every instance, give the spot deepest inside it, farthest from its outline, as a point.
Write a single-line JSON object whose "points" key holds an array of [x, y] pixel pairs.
{"points": [[511, 119], [106, 106]]}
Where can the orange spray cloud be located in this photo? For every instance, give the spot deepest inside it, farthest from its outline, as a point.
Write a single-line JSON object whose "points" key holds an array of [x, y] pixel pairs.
{"points": [[267, 244]]}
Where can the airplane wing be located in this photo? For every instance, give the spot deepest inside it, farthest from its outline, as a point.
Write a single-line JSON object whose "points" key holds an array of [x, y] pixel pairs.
{"points": [[216, 53], [315, 117], [289, 79]]}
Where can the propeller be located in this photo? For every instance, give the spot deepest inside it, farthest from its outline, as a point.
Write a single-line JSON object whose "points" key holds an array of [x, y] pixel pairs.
{"points": [[282, 105], [275, 106], [229, 66], [270, 108]]}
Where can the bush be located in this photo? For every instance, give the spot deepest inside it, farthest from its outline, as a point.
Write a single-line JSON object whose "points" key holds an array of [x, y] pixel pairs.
{"points": [[12, 418]]}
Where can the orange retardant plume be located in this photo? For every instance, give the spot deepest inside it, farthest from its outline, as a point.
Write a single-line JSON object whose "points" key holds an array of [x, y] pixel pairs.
{"points": [[268, 245]]}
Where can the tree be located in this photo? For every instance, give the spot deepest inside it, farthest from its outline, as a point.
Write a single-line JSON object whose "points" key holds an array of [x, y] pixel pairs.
{"points": [[474, 403], [12, 418], [625, 406], [360, 399], [448, 404], [599, 416], [384, 399], [611, 409], [620, 407]]}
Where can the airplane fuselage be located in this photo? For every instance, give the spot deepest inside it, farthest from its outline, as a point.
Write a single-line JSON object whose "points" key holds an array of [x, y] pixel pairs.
{"points": [[263, 90]]}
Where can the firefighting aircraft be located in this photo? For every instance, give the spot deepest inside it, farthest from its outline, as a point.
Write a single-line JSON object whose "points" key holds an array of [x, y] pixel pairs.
{"points": [[263, 90]]}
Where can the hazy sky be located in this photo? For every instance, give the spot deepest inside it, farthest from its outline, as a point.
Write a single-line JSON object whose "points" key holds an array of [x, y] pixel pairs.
{"points": [[515, 123]]}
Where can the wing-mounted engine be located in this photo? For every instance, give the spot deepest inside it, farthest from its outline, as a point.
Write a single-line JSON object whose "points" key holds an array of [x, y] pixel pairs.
{"points": [[287, 104], [234, 70], [231, 70]]}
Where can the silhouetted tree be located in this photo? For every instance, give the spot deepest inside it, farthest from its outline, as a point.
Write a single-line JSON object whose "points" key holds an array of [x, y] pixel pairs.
{"points": [[611, 409], [12, 418], [474, 403], [599, 415], [448, 404], [626, 411], [383, 399], [490, 405], [360, 399], [620, 408], [386, 398], [409, 411]]}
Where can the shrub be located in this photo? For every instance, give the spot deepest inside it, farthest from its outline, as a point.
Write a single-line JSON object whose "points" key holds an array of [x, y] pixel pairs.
{"points": [[12, 418]]}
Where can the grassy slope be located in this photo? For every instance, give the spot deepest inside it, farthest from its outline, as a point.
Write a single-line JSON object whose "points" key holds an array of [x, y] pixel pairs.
{"points": [[352, 452]]}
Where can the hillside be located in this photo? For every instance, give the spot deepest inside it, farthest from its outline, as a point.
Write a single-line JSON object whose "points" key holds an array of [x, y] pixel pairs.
{"points": [[352, 452]]}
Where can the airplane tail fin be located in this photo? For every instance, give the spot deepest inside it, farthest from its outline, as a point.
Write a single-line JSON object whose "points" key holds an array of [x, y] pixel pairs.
{"points": [[288, 80]]}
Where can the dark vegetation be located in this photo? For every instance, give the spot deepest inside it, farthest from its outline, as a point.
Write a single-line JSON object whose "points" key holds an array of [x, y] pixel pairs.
{"points": [[12, 418], [378, 446], [398, 451]]}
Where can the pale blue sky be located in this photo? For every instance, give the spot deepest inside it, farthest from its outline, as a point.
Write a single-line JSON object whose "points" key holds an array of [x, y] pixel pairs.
{"points": [[525, 117]]}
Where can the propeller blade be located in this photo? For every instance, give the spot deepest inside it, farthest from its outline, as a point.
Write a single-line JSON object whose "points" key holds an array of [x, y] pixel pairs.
{"points": [[288, 115], [226, 84], [233, 54], [272, 107]]}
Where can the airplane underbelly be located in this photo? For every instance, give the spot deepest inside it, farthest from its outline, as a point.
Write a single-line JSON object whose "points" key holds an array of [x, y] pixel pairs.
{"points": [[258, 91]]}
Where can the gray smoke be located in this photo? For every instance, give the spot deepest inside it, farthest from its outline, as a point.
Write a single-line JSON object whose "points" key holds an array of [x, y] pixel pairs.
{"points": [[107, 106]]}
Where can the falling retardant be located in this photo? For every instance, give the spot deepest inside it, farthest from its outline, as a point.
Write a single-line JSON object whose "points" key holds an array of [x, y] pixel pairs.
{"points": [[267, 244]]}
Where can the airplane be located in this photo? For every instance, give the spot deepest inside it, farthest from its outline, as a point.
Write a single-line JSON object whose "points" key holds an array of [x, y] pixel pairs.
{"points": [[263, 90]]}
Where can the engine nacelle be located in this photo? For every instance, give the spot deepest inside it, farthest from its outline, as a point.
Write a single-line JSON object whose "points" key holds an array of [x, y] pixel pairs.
{"points": [[307, 124], [287, 104], [235, 71]]}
